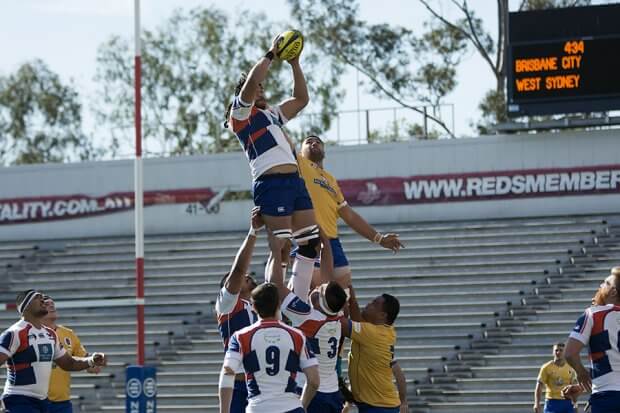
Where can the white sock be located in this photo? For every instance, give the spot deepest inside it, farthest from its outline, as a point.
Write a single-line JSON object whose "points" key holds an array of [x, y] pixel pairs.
{"points": [[301, 276]]}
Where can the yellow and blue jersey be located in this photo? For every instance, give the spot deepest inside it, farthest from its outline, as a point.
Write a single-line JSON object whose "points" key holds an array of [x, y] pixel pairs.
{"points": [[327, 198], [370, 364], [555, 378], [60, 380]]}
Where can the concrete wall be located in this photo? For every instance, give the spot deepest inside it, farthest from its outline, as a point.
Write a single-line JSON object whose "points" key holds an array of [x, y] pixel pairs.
{"points": [[467, 157]]}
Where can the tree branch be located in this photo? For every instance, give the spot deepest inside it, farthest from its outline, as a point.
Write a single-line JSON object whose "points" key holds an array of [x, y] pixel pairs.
{"points": [[472, 38], [444, 21], [476, 40], [501, 32], [391, 95]]}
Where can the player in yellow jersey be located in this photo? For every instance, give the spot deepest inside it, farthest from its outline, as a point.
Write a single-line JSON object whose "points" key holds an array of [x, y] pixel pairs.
{"points": [[555, 375], [329, 205], [371, 359], [59, 394]]}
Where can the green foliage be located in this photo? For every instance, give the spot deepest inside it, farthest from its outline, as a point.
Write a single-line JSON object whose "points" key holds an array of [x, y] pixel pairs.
{"points": [[40, 118], [398, 64], [190, 66]]}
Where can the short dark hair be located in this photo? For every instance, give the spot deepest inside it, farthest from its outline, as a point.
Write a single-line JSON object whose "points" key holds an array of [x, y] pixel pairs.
{"points": [[20, 297], [559, 344], [335, 296], [315, 137], [391, 307], [266, 300]]}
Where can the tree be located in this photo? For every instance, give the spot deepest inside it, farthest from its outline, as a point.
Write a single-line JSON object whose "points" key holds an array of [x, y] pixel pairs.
{"points": [[40, 118], [190, 66], [404, 66], [398, 64], [493, 52]]}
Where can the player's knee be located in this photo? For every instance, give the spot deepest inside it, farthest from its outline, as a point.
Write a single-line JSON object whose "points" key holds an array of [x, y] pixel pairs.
{"points": [[308, 240]]}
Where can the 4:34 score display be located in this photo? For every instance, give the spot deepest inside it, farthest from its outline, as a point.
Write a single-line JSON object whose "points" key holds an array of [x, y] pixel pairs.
{"points": [[571, 61]]}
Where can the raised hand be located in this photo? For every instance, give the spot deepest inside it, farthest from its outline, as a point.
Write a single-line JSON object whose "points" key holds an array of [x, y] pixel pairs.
{"points": [[391, 242]]}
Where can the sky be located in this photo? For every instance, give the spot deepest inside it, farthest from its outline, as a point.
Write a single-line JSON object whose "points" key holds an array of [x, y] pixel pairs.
{"points": [[66, 34]]}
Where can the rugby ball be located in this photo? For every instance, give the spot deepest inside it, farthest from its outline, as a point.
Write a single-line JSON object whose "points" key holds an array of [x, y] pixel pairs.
{"points": [[289, 44]]}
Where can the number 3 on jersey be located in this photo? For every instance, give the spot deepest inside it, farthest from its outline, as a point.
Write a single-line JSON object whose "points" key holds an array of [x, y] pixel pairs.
{"points": [[333, 347]]}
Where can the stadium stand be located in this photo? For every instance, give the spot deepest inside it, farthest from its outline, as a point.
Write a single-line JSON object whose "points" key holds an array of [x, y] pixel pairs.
{"points": [[481, 303]]}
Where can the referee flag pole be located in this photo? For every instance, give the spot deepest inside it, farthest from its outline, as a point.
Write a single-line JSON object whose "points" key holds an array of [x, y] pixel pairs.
{"points": [[139, 191]]}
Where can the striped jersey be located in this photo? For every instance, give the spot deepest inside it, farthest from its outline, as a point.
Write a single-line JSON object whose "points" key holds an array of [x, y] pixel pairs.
{"points": [[271, 354], [324, 336], [260, 134], [233, 314], [31, 353], [599, 329]]}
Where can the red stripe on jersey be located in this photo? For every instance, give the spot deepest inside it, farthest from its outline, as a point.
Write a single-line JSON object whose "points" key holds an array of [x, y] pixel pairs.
{"points": [[257, 134], [245, 339], [311, 327], [18, 366], [23, 338], [298, 340], [239, 124], [598, 326]]}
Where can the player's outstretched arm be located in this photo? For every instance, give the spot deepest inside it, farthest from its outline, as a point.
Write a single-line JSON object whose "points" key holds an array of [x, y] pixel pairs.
{"points": [[3, 358], [68, 363], [327, 259], [241, 264], [311, 386], [354, 309], [571, 353], [362, 227], [401, 385], [257, 74], [293, 105]]}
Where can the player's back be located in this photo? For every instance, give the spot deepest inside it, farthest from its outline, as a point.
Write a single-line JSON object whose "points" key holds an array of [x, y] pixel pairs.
{"points": [[324, 340], [324, 336], [271, 354]]}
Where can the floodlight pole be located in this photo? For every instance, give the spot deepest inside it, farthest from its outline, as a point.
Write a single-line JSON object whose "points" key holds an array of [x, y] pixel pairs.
{"points": [[138, 191]]}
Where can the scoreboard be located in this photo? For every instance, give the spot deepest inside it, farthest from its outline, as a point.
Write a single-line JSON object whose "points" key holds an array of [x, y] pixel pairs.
{"points": [[564, 60]]}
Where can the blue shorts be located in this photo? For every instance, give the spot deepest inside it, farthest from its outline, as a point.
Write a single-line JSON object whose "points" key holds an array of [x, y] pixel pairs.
{"points": [[280, 195], [326, 403], [366, 408], [24, 404], [297, 410], [559, 406], [239, 397], [61, 407], [605, 402], [340, 259]]}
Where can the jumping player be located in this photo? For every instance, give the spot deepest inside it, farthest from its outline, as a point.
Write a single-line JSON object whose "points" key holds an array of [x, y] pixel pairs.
{"points": [[278, 190]]}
